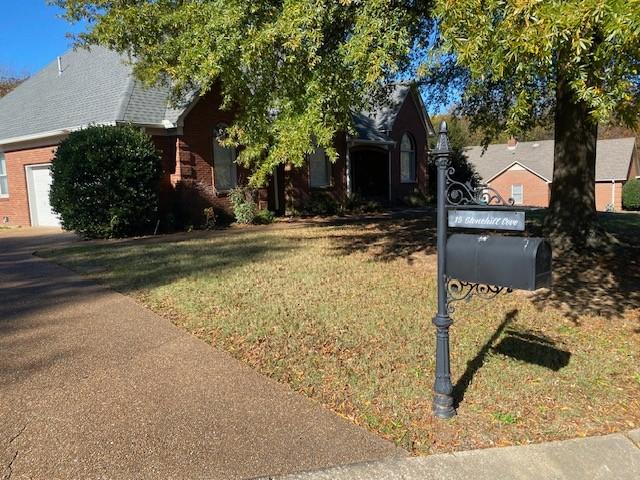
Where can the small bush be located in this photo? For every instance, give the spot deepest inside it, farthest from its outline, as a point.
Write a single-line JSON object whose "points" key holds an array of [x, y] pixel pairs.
{"points": [[106, 182], [243, 204], [321, 203], [264, 217], [209, 218], [631, 194], [358, 205], [417, 198], [191, 202]]}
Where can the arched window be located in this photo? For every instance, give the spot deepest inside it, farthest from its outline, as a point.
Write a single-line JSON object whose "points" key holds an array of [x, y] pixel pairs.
{"points": [[224, 162], [407, 159]]}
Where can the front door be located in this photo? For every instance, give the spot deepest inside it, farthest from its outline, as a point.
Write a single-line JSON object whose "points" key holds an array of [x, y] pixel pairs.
{"points": [[370, 173]]}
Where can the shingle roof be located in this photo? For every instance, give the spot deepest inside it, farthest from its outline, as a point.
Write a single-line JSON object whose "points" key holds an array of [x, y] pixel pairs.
{"points": [[367, 130], [375, 125], [613, 158], [96, 86]]}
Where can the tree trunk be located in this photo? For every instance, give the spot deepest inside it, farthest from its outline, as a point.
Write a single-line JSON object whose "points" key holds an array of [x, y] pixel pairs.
{"points": [[571, 221]]}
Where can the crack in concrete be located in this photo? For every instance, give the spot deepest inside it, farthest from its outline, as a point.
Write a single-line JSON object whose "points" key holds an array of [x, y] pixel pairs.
{"points": [[634, 436], [8, 471], [18, 434]]}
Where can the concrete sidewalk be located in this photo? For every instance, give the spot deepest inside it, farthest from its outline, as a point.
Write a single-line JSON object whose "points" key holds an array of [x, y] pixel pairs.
{"points": [[93, 385], [612, 457]]}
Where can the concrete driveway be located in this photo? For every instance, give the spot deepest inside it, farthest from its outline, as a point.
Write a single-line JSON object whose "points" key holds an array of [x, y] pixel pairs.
{"points": [[93, 385]]}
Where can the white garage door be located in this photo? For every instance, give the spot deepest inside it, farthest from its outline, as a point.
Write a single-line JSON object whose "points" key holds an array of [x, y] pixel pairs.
{"points": [[39, 183]]}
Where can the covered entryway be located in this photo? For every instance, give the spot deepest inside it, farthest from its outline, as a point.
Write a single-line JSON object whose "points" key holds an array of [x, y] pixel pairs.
{"points": [[370, 173], [38, 187]]}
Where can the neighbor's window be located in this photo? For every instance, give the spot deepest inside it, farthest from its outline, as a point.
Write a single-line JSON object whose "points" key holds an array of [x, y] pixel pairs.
{"points": [[319, 169], [224, 163], [407, 159], [517, 194], [4, 183]]}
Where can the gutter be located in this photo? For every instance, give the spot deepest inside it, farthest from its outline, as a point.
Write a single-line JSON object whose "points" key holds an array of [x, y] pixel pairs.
{"points": [[50, 134]]}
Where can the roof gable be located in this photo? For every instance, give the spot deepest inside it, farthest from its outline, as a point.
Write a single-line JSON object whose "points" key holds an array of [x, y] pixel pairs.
{"points": [[96, 86], [376, 125], [613, 158]]}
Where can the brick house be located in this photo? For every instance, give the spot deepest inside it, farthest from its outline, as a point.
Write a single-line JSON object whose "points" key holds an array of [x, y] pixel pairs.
{"points": [[524, 170], [385, 160]]}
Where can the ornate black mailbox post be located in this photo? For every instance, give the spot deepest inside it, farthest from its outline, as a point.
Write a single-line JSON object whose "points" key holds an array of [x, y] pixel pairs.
{"points": [[482, 265]]}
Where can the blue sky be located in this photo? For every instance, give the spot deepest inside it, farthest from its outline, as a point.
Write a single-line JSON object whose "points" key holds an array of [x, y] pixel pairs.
{"points": [[31, 35]]}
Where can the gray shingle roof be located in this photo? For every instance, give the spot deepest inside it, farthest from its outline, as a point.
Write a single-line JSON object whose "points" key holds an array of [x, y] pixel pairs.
{"points": [[613, 158], [376, 125], [96, 86], [367, 130]]}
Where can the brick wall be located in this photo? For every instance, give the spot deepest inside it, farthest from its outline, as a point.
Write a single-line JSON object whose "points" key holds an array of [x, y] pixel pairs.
{"points": [[16, 206], [408, 120], [535, 190], [296, 180], [604, 194]]}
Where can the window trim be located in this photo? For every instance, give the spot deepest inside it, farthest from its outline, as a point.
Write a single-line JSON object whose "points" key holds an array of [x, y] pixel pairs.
{"points": [[217, 132], [327, 166], [3, 159], [414, 157], [521, 202]]}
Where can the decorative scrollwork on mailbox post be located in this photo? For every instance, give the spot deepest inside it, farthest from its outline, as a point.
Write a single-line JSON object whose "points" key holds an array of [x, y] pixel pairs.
{"points": [[459, 193], [476, 265], [458, 290]]}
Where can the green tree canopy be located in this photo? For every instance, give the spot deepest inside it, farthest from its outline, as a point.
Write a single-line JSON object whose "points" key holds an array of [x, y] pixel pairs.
{"points": [[520, 62], [507, 57], [293, 69]]}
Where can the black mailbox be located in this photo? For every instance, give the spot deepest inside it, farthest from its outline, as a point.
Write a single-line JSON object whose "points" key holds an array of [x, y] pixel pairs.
{"points": [[522, 263]]}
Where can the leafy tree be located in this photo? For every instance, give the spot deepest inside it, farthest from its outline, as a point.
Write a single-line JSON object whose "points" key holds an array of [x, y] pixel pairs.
{"points": [[465, 171], [521, 62], [9, 81], [293, 70], [106, 182]]}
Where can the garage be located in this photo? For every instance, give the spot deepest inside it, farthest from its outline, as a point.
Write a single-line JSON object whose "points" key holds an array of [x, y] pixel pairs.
{"points": [[39, 185]]}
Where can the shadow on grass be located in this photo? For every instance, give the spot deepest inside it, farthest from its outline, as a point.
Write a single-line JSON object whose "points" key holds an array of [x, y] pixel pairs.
{"points": [[605, 284], [598, 283], [398, 235], [149, 263], [526, 347]]}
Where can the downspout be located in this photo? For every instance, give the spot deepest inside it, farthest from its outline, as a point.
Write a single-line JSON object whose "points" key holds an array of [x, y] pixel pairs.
{"points": [[276, 192], [613, 195], [348, 155], [389, 173]]}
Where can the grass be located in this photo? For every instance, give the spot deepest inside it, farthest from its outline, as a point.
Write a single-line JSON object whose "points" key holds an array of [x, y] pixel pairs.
{"points": [[342, 312]]}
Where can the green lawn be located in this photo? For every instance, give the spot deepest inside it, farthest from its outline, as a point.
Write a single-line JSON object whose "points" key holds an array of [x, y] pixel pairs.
{"points": [[342, 312]]}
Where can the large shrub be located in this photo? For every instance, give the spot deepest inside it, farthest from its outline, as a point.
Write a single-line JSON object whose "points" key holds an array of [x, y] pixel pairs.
{"points": [[631, 194], [106, 182]]}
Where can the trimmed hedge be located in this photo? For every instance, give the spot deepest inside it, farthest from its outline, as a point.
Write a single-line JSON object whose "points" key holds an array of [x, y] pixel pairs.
{"points": [[106, 182], [631, 194]]}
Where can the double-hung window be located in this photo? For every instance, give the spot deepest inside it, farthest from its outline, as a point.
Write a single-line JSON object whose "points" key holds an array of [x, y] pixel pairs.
{"points": [[224, 163], [319, 169], [4, 181], [407, 159], [517, 194]]}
